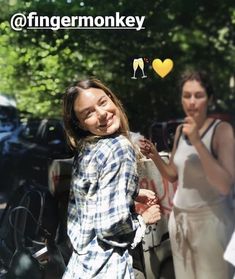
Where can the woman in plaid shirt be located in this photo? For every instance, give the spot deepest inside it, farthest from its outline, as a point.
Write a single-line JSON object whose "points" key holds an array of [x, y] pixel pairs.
{"points": [[102, 224]]}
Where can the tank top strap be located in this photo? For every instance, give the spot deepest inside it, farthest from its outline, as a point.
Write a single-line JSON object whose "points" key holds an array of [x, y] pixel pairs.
{"points": [[213, 127], [179, 136], [206, 137]]}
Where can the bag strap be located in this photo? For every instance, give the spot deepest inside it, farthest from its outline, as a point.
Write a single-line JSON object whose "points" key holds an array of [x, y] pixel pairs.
{"points": [[10, 203], [44, 231], [22, 202], [38, 221]]}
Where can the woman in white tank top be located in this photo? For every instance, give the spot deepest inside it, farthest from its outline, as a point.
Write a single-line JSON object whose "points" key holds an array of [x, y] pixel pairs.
{"points": [[203, 162]]}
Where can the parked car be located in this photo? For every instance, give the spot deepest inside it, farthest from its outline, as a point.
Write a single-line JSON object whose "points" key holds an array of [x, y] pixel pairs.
{"points": [[28, 152], [9, 118], [162, 134]]}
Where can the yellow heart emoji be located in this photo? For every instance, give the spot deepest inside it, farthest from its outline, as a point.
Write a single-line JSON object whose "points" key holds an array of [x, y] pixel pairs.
{"points": [[162, 68]]}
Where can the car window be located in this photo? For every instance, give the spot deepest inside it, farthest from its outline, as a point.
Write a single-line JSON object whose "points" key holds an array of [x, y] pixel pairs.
{"points": [[53, 133], [30, 130], [162, 133], [8, 119]]}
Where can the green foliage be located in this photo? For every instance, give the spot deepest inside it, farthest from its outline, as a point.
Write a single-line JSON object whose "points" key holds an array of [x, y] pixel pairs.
{"points": [[37, 65]]}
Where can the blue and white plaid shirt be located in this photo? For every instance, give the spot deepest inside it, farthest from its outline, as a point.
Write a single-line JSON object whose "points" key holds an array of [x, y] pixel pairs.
{"points": [[101, 222]]}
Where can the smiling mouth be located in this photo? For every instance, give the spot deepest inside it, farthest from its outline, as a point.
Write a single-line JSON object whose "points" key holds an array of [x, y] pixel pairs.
{"points": [[108, 123]]}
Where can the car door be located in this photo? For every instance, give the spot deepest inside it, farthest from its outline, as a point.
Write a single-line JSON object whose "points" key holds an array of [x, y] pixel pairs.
{"points": [[50, 144], [16, 154]]}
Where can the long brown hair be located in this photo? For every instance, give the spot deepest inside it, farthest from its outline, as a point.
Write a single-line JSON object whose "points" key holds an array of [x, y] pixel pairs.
{"points": [[75, 134]]}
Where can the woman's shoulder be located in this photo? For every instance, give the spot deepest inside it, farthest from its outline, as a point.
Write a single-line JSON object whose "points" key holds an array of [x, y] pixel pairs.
{"points": [[223, 134], [177, 135], [223, 128], [117, 145], [116, 142]]}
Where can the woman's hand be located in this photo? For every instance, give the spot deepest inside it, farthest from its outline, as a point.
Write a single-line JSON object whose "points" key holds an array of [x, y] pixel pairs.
{"points": [[152, 214], [190, 130], [146, 205], [147, 148], [147, 197]]}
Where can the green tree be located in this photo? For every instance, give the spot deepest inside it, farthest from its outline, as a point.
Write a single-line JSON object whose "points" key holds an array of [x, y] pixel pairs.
{"points": [[37, 65]]}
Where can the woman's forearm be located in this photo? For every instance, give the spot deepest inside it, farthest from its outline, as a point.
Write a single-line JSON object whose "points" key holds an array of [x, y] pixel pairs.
{"points": [[166, 169]]}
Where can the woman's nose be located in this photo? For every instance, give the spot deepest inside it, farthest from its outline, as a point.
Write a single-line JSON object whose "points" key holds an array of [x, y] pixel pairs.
{"points": [[192, 100], [101, 112]]}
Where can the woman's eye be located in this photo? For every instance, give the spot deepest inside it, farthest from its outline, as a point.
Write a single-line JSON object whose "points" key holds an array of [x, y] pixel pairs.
{"points": [[88, 114], [104, 102], [198, 96], [186, 96]]}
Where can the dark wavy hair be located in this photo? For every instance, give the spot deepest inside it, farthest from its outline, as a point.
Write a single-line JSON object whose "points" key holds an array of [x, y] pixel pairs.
{"points": [[75, 134], [200, 76]]}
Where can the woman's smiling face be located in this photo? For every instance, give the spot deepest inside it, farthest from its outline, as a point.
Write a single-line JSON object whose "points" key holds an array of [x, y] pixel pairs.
{"points": [[96, 112]]}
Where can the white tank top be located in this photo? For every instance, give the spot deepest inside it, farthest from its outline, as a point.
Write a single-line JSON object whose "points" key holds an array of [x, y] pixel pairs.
{"points": [[194, 190]]}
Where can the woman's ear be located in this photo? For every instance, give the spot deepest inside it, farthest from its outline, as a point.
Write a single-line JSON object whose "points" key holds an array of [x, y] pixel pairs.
{"points": [[77, 122], [81, 126]]}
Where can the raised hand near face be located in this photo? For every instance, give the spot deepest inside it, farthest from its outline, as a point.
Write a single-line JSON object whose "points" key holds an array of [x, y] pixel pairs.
{"points": [[190, 130], [147, 148]]}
